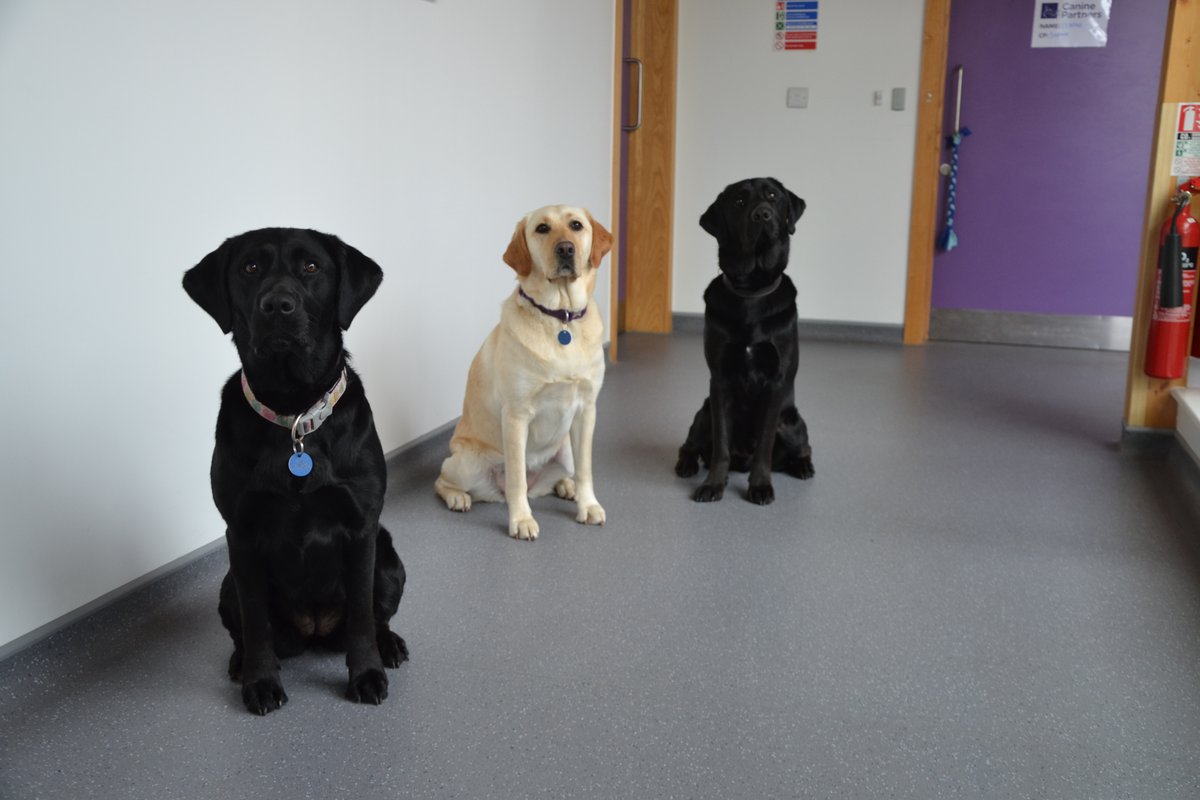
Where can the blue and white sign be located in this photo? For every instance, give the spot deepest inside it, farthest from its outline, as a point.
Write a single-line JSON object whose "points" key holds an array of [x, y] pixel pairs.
{"points": [[1071, 23]]}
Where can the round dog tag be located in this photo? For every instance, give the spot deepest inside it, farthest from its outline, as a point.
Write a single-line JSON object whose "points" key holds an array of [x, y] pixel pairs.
{"points": [[300, 464], [564, 337]]}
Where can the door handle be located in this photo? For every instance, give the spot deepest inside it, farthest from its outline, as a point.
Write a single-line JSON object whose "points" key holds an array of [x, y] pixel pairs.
{"points": [[641, 70]]}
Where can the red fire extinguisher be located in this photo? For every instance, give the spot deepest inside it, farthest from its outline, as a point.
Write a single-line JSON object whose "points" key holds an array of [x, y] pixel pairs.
{"points": [[1174, 294]]}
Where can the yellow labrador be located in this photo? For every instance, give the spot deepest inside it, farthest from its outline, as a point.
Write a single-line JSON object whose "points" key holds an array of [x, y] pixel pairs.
{"points": [[530, 406]]}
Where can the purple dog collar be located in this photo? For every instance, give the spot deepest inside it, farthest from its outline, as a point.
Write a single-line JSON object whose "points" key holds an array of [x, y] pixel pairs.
{"points": [[563, 315]]}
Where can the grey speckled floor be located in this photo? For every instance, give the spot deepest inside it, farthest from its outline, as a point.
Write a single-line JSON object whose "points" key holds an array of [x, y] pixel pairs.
{"points": [[978, 596]]}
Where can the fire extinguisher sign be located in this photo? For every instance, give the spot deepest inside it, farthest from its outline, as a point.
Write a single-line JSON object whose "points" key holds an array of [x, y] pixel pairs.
{"points": [[1186, 161]]}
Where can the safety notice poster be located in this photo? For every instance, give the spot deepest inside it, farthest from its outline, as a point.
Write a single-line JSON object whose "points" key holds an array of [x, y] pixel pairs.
{"points": [[795, 24], [1071, 23], [1186, 160]]}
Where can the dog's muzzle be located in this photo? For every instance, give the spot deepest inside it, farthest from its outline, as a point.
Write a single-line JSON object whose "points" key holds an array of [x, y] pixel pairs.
{"points": [[279, 320], [564, 254], [762, 214]]}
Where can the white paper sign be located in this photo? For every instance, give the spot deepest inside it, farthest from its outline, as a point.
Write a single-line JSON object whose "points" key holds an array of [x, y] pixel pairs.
{"points": [[1071, 23], [1185, 161]]}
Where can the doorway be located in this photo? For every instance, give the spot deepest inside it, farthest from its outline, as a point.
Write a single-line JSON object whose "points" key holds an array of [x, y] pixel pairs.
{"points": [[1050, 180]]}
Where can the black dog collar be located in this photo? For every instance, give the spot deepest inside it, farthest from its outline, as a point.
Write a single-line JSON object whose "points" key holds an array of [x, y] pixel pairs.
{"points": [[751, 295]]}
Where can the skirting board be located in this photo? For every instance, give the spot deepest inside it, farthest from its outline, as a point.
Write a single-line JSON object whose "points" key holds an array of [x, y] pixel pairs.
{"points": [[55, 625], [434, 437], [863, 332], [1039, 330]]}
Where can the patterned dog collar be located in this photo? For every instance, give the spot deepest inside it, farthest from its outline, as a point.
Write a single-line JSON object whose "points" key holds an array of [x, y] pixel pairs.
{"points": [[300, 425]]}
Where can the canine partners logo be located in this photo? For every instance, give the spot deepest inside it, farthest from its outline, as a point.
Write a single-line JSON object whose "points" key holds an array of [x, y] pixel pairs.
{"points": [[1049, 10]]}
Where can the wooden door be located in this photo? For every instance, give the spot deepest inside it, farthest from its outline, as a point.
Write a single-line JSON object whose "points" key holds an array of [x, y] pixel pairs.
{"points": [[645, 165]]}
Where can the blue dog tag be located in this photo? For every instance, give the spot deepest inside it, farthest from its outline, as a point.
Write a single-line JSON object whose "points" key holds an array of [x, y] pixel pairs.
{"points": [[300, 464], [564, 337]]}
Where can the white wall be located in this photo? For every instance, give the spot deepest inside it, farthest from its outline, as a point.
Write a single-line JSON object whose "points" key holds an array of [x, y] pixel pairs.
{"points": [[851, 161], [136, 135]]}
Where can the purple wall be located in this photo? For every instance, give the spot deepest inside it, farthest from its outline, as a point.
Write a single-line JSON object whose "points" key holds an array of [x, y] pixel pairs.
{"points": [[1052, 183]]}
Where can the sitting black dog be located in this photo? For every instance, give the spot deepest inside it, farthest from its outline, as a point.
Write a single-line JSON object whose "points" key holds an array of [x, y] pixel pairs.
{"points": [[298, 471], [749, 420]]}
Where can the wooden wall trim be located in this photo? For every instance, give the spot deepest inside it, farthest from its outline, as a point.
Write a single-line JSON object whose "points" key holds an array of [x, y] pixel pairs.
{"points": [[926, 178]]}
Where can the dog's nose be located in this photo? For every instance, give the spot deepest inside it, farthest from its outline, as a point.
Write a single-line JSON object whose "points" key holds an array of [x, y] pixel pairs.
{"points": [[564, 250], [277, 301], [762, 213]]}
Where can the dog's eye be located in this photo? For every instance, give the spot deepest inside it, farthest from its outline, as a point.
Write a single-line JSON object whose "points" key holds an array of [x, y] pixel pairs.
{"points": [[740, 201], [310, 267], [576, 225], [770, 195], [542, 228], [250, 268]]}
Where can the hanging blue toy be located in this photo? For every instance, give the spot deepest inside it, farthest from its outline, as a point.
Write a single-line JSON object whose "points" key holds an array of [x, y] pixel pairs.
{"points": [[949, 239]]}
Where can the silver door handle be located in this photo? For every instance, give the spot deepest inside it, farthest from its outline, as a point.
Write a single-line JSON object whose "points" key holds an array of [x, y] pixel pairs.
{"points": [[958, 100], [641, 69]]}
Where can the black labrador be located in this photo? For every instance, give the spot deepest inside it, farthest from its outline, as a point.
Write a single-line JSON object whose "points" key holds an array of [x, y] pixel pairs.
{"points": [[749, 420], [298, 471]]}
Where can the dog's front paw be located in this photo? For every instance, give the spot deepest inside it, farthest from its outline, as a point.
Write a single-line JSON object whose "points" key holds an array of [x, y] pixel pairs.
{"points": [[369, 686], [762, 494], [457, 501], [263, 695], [592, 514], [687, 465], [565, 489], [708, 493], [525, 528], [392, 649]]}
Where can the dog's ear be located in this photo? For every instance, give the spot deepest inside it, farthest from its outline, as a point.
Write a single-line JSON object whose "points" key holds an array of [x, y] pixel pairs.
{"points": [[796, 206], [517, 255], [602, 241], [712, 220], [207, 283], [358, 278]]}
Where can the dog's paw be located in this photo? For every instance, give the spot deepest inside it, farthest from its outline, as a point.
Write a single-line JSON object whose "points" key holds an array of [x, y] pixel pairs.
{"points": [[804, 468], [369, 686], [591, 515], [687, 465], [762, 494], [565, 489], [263, 695], [392, 648], [456, 500], [525, 528], [708, 493]]}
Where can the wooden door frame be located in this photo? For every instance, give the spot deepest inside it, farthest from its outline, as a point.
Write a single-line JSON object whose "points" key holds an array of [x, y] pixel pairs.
{"points": [[614, 260], [1148, 401], [935, 41]]}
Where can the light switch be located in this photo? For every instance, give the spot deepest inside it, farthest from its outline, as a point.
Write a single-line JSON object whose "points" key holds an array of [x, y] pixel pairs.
{"points": [[898, 99], [797, 97], [877, 97]]}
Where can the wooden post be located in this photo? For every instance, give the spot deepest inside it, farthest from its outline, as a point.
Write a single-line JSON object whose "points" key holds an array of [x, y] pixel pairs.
{"points": [[1148, 402], [926, 178]]}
